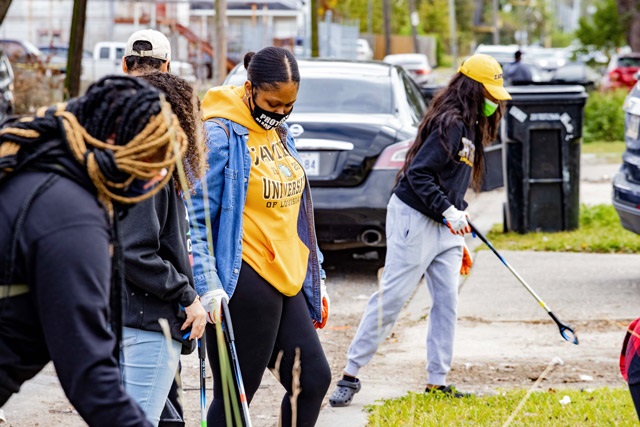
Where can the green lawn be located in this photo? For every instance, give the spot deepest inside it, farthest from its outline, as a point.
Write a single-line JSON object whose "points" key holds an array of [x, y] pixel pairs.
{"points": [[600, 407], [614, 148], [600, 232]]}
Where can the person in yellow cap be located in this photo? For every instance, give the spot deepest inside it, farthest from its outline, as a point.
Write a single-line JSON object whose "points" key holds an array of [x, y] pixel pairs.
{"points": [[426, 221]]}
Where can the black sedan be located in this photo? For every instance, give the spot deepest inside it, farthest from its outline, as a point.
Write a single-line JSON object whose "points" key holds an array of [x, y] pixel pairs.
{"points": [[626, 183], [353, 123]]}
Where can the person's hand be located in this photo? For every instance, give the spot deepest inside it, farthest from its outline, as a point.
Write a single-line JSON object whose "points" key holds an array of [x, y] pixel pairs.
{"points": [[467, 261], [196, 318], [325, 307], [457, 220], [212, 303]]}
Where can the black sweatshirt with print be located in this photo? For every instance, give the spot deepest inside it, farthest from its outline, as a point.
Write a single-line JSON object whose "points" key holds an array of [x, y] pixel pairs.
{"points": [[439, 174]]}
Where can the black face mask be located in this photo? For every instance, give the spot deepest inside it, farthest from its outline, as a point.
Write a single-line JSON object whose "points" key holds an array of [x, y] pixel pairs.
{"points": [[266, 119]]}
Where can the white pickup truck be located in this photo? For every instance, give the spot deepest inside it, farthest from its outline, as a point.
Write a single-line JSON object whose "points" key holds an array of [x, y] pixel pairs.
{"points": [[107, 59]]}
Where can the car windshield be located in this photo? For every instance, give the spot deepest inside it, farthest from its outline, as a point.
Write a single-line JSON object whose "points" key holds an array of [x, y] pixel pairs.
{"points": [[347, 94], [628, 62]]}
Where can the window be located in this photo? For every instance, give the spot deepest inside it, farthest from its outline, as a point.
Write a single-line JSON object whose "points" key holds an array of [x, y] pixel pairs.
{"points": [[104, 52], [417, 106]]}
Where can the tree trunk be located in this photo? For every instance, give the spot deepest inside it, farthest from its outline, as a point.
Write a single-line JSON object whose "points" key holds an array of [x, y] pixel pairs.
{"points": [[4, 7], [630, 15], [386, 12], [315, 44], [76, 40]]}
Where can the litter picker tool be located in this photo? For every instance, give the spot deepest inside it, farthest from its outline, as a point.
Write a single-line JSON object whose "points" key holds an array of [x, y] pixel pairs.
{"points": [[235, 364], [565, 330]]}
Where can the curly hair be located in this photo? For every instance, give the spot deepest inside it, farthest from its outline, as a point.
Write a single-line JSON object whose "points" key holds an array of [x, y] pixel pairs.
{"points": [[186, 105], [462, 100]]}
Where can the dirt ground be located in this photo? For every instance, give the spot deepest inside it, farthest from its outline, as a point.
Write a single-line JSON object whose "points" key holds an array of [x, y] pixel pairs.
{"points": [[479, 370]]}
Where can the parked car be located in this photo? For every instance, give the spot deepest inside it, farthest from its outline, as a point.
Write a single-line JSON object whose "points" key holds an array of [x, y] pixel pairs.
{"points": [[353, 123], [55, 56], [621, 71], [548, 59], [363, 50], [7, 107], [504, 54], [416, 64], [25, 55], [626, 183]]}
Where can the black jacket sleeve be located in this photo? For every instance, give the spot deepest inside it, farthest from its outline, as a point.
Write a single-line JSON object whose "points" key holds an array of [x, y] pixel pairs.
{"points": [[140, 234], [434, 156], [72, 299]]}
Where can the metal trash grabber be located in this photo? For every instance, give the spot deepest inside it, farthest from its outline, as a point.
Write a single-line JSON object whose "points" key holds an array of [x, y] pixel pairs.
{"points": [[235, 364], [565, 330]]}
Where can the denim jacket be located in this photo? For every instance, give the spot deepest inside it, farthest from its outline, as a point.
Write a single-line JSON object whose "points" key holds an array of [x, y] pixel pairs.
{"points": [[226, 184]]}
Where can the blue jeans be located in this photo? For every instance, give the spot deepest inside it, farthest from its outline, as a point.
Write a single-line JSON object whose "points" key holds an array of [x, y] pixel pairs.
{"points": [[148, 368]]}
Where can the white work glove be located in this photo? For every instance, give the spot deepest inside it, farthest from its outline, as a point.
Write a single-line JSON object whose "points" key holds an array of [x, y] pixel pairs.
{"points": [[212, 303], [325, 306], [456, 220]]}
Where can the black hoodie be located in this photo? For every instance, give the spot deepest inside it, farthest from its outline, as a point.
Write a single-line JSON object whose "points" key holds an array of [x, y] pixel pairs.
{"points": [[155, 240], [64, 257]]}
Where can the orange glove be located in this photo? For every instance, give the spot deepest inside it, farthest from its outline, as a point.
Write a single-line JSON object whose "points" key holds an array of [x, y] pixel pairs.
{"points": [[467, 262], [325, 307]]}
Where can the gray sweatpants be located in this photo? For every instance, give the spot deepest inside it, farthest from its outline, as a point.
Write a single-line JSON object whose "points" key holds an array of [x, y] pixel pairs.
{"points": [[416, 246]]}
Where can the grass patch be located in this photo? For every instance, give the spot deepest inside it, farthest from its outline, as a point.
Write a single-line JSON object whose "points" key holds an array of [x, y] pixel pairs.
{"points": [[599, 232], [604, 147], [601, 407]]}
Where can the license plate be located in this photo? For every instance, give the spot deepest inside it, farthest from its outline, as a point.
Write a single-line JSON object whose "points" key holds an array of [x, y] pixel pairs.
{"points": [[632, 126], [310, 162]]}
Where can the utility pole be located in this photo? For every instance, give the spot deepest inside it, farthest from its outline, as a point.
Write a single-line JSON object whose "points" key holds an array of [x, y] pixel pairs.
{"points": [[415, 20], [76, 40], [220, 70], [386, 12], [315, 45]]}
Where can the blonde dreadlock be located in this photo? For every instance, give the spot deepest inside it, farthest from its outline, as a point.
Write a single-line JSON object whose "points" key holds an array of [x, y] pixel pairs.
{"points": [[141, 154]]}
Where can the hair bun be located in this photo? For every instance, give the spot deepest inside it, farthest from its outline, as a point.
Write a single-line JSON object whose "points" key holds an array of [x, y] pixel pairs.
{"points": [[247, 59]]}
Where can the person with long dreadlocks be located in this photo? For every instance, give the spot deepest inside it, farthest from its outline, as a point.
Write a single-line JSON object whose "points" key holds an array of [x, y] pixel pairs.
{"points": [[426, 221], [159, 281], [267, 262], [61, 172]]}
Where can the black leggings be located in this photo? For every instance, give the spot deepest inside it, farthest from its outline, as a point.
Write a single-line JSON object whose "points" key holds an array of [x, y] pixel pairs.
{"points": [[265, 323], [635, 395]]}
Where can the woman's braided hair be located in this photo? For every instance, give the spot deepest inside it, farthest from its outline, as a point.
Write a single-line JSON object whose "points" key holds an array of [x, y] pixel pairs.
{"points": [[121, 108], [186, 106]]}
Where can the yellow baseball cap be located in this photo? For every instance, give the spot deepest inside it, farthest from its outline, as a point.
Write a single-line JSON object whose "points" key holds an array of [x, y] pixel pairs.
{"points": [[486, 70]]}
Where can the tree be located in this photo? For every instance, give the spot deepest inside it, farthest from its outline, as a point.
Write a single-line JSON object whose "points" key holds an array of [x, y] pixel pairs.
{"points": [[4, 7], [76, 39], [605, 29], [629, 11]]}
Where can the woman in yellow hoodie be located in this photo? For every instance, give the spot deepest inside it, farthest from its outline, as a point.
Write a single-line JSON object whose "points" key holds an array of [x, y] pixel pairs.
{"points": [[266, 258]]}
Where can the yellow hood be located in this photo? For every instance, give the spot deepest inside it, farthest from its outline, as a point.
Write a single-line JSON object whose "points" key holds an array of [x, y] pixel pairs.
{"points": [[226, 102]]}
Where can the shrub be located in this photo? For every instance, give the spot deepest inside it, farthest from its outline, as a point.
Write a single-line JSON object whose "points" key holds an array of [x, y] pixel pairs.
{"points": [[34, 88], [603, 116]]}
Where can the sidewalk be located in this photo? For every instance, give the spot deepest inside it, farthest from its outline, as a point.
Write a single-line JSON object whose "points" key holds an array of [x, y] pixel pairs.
{"points": [[499, 320]]}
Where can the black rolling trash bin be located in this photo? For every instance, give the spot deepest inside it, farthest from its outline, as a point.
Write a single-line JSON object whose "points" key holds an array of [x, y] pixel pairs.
{"points": [[541, 155]]}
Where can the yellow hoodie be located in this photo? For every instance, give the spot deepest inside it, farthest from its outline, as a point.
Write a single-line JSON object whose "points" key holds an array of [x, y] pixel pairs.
{"points": [[270, 241]]}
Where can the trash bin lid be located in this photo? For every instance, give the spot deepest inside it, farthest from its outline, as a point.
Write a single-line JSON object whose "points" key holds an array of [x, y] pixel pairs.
{"points": [[547, 93]]}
